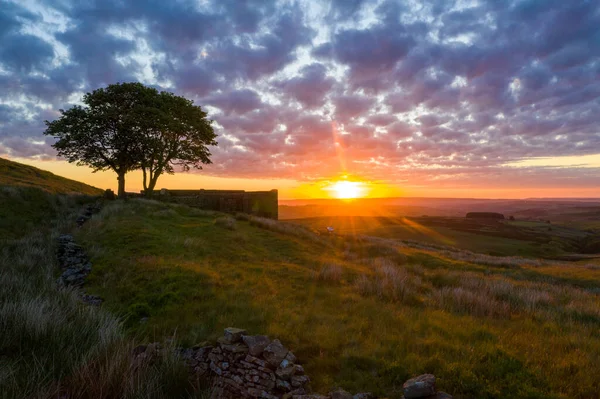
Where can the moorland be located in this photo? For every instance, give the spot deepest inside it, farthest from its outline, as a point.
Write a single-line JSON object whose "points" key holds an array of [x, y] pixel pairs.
{"points": [[363, 309]]}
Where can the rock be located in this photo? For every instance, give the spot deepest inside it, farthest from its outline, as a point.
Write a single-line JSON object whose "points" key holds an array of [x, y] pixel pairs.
{"points": [[285, 373], [283, 385], [298, 370], [310, 397], [290, 357], [93, 300], [274, 353], [285, 364], [419, 387], [233, 335], [299, 380], [235, 348], [256, 343], [364, 395], [340, 394]]}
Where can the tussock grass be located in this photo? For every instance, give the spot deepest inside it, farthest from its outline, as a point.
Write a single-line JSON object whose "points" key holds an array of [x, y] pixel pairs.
{"points": [[226, 222], [51, 345], [288, 229], [390, 283], [330, 272]]}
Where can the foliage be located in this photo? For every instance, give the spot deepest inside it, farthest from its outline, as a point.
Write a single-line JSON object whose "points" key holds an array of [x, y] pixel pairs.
{"points": [[128, 126], [175, 133]]}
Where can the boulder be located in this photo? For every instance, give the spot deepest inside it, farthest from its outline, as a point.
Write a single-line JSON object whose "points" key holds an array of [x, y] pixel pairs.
{"points": [[256, 343], [419, 387]]}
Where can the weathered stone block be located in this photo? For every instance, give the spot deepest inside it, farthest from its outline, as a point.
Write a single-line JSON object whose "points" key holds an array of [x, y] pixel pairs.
{"points": [[420, 386], [256, 343], [274, 353], [233, 335], [299, 380]]}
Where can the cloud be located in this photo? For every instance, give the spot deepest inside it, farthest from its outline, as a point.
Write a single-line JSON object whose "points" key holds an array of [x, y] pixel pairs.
{"points": [[310, 88], [443, 92]]}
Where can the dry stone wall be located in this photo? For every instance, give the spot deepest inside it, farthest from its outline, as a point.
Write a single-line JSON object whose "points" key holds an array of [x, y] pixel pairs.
{"points": [[74, 262], [259, 203]]}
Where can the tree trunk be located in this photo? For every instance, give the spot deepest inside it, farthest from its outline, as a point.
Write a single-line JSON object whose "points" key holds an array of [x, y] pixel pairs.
{"points": [[121, 179], [152, 184]]}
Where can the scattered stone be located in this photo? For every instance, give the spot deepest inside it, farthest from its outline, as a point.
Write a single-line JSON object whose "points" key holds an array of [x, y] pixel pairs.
{"points": [[93, 300], [74, 262], [256, 343], [419, 387], [309, 397], [364, 395]]}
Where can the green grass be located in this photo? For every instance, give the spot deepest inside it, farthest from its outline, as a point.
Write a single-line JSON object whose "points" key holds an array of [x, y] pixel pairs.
{"points": [[362, 314], [17, 174], [51, 345]]}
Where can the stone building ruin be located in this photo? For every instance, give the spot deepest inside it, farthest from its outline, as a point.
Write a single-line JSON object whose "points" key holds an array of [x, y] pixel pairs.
{"points": [[258, 203]]}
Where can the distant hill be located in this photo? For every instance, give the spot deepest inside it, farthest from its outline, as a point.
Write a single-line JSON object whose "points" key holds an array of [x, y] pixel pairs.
{"points": [[18, 174]]}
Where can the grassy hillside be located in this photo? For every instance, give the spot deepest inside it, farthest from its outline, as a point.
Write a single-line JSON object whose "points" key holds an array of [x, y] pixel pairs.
{"points": [[18, 174], [360, 314], [28, 197], [51, 345]]}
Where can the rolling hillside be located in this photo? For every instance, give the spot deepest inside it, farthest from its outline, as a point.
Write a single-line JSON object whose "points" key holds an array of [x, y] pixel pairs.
{"points": [[18, 174], [362, 314], [31, 197]]}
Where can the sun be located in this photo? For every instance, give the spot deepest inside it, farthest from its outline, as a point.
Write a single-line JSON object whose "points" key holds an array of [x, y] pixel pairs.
{"points": [[344, 189]]}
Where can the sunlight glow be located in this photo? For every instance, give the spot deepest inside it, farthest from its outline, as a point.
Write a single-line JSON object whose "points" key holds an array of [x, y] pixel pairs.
{"points": [[347, 189]]}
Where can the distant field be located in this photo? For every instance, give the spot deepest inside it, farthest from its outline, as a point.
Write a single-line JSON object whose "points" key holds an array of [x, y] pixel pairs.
{"points": [[506, 238], [363, 315]]}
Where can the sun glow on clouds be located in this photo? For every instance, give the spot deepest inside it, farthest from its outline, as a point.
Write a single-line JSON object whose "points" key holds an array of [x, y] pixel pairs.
{"points": [[581, 161]]}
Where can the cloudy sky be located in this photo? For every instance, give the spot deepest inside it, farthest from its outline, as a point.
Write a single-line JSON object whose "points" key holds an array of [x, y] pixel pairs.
{"points": [[439, 97]]}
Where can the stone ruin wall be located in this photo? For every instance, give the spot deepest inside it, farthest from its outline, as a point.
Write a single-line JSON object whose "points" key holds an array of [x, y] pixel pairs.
{"points": [[259, 203]]}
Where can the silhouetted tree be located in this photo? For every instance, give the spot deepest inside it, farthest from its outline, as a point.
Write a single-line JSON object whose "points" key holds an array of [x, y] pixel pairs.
{"points": [[105, 133], [175, 133], [128, 126]]}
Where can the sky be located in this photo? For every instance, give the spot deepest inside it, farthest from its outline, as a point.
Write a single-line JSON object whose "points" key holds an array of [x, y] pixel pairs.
{"points": [[441, 98]]}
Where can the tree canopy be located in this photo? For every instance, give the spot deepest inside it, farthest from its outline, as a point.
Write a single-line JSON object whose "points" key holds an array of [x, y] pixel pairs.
{"points": [[129, 126]]}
